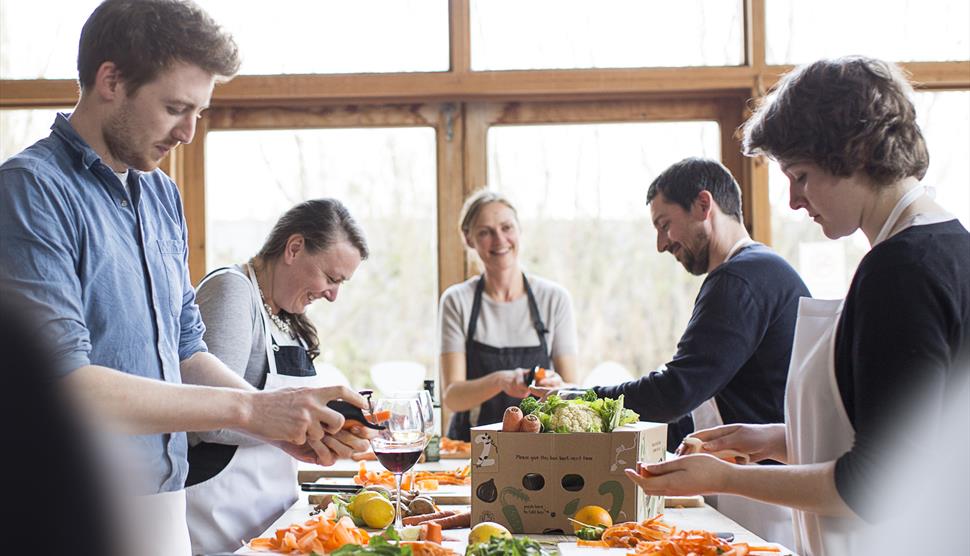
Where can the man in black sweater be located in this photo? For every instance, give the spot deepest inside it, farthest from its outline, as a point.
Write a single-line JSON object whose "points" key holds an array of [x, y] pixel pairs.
{"points": [[732, 360]]}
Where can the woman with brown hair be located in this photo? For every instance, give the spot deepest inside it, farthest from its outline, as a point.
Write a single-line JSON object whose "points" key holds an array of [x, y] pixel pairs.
{"points": [[844, 132], [255, 321]]}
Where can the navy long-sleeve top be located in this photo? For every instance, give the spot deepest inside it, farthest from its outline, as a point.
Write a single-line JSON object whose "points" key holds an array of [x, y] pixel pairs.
{"points": [[902, 344], [736, 347]]}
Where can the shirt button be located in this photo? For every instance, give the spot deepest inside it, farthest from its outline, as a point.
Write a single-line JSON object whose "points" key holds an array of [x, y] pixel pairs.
{"points": [[124, 203]]}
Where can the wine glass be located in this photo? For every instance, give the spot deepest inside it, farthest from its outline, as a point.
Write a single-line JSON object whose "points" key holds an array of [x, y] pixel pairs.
{"points": [[408, 428]]}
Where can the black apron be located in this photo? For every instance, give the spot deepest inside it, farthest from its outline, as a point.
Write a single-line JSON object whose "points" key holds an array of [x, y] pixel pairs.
{"points": [[482, 359], [207, 459]]}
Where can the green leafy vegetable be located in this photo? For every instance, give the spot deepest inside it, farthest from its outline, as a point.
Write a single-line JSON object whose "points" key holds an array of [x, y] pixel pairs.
{"points": [[497, 546], [384, 544], [554, 418], [591, 533], [529, 405]]}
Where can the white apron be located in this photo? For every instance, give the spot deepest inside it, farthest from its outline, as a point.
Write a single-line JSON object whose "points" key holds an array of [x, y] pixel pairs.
{"points": [[817, 426], [157, 525], [221, 511], [768, 521]]}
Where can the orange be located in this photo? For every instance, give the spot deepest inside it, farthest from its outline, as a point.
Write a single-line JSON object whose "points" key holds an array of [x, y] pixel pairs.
{"points": [[592, 515]]}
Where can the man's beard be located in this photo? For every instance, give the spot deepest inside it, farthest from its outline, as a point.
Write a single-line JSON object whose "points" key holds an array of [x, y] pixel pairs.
{"points": [[118, 138], [696, 263]]}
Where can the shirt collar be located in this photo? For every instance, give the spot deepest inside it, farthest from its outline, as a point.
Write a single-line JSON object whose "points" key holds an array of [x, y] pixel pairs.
{"points": [[65, 131]]}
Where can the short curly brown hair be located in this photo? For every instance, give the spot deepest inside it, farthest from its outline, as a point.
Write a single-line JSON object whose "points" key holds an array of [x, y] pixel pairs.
{"points": [[845, 115]]}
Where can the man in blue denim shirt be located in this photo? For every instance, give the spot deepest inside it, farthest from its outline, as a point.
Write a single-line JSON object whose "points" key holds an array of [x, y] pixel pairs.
{"points": [[93, 247]]}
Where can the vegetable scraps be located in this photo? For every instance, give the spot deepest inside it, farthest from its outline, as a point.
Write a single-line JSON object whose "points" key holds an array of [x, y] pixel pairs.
{"points": [[590, 413], [318, 534], [389, 544], [655, 537]]}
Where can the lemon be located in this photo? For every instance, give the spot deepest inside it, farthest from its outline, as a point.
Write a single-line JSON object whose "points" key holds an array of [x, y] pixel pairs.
{"points": [[359, 500], [377, 513], [592, 515], [485, 531]]}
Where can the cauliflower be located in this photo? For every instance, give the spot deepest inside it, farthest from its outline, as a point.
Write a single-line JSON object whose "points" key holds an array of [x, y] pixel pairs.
{"points": [[575, 418]]}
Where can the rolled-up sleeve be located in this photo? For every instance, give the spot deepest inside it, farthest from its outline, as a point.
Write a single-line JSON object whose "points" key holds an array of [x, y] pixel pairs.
{"points": [[38, 262]]}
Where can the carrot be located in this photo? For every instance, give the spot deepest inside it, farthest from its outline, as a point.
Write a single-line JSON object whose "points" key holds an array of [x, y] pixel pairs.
{"points": [[540, 374], [511, 419], [379, 417], [434, 532], [416, 519], [530, 423], [318, 534], [456, 521]]}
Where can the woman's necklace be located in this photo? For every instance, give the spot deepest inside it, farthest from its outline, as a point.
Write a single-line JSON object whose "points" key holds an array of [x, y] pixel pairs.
{"points": [[277, 320]]}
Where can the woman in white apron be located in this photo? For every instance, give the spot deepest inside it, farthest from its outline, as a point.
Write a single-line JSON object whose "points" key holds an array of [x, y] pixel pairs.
{"points": [[844, 132], [254, 322]]}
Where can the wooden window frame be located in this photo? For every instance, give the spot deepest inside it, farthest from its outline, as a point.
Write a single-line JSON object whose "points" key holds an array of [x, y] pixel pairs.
{"points": [[460, 104]]}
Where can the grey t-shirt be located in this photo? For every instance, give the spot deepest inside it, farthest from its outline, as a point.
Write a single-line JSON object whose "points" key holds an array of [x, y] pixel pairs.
{"points": [[232, 313], [508, 324]]}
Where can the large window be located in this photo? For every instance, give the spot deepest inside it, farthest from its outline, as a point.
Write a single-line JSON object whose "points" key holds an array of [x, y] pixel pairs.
{"points": [[900, 30], [386, 178], [38, 38], [580, 191], [547, 34], [21, 128], [336, 36], [287, 36]]}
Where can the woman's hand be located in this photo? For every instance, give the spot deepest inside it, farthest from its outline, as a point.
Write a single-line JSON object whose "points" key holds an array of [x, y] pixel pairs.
{"points": [[512, 382], [551, 380], [684, 476], [760, 442]]}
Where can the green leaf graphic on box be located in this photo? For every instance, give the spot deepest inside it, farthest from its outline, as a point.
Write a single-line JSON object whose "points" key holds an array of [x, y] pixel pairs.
{"points": [[571, 507], [615, 489], [510, 512]]}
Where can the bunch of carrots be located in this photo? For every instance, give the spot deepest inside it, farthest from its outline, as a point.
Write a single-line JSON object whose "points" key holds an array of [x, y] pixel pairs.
{"points": [[318, 534], [423, 480], [655, 537]]}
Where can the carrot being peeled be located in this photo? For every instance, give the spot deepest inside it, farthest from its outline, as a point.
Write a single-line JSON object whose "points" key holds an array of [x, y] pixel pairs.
{"points": [[379, 416]]}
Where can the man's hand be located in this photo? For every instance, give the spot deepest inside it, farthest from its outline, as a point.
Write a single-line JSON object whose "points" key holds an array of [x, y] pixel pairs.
{"points": [[298, 415]]}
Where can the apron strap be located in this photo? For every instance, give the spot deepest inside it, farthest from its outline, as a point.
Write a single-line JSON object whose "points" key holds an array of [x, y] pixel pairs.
{"points": [[217, 272], [537, 323], [476, 307], [267, 329]]}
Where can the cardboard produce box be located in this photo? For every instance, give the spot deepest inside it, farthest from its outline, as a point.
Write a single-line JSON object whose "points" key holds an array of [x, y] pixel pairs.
{"points": [[533, 482]]}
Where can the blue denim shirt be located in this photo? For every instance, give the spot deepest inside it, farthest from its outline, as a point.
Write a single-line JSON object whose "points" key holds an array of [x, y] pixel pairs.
{"points": [[103, 271]]}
